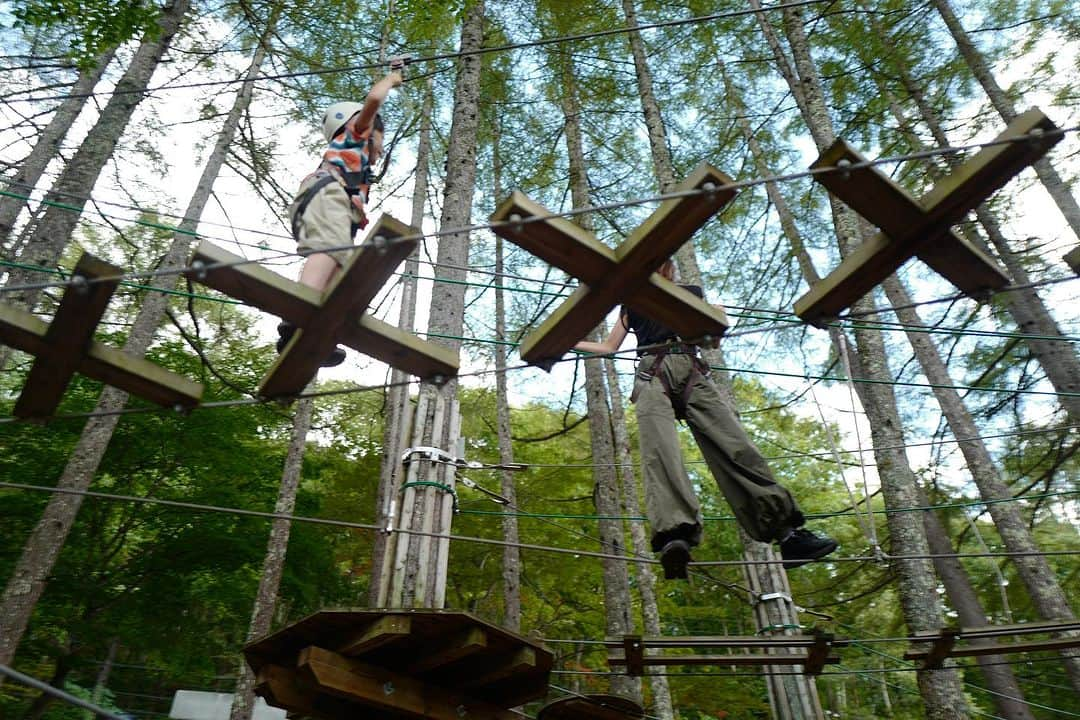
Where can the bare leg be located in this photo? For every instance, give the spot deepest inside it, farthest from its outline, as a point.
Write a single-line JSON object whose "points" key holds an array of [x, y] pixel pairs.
{"points": [[318, 271]]}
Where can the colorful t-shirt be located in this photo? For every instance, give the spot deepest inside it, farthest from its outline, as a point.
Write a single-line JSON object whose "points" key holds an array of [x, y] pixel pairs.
{"points": [[348, 158]]}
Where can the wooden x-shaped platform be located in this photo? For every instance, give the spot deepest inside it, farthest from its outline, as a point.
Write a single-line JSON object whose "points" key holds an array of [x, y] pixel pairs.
{"points": [[335, 316], [66, 346], [922, 227], [398, 665], [810, 651], [625, 275]]}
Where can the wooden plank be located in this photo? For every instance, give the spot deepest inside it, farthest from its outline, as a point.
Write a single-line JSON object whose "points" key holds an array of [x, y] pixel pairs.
{"points": [[348, 296], [255, 285], [921, 227], [383, 631], [68, 337], [399, 349], [988, 631], [439, 653], [1010, 648], [555, 240], [519, 662], [742, 659], [909, 228], [137, 376], [940, 648], [658, 642], [381, 690], [1072, 259], [279, 687]]}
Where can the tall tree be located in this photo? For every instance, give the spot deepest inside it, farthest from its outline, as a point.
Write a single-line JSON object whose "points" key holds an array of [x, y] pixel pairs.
{"points": [[31, 573], [941, 690], [46, 148], [67, 197], [980, 68]]}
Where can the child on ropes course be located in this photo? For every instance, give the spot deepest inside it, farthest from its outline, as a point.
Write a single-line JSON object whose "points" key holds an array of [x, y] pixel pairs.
{"points": [[671, 382], [329, 206]]}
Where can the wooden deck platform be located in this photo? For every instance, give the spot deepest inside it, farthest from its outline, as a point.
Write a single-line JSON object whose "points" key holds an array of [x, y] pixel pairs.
{"points": [[398, 664]]}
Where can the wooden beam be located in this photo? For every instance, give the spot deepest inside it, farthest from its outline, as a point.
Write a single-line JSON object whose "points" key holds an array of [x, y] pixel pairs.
{"points": [[137, 376], [380, 690], [633, 655], [1072, 259], [520, 661], [439, 653], [716, 659], [940, 648], [348, 296], [624, 275], [920, 227], [657, 642], [819, 653], [388, 629], [68, 337], [336, 316]]}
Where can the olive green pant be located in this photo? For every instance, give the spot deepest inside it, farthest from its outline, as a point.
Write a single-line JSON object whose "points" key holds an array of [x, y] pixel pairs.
{"points": [[763, 507]]}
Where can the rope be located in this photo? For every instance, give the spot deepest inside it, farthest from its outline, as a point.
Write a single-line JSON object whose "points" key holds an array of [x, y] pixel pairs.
{"points": [[48, 689]]}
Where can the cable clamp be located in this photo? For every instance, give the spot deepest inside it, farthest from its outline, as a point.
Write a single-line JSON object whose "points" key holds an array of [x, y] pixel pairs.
{"points": [[774, 596], [438, 455]]}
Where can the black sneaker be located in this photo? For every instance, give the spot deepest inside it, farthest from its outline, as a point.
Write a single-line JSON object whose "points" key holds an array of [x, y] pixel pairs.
{"points": [[285, 332], [674, 557], [802, 546]]}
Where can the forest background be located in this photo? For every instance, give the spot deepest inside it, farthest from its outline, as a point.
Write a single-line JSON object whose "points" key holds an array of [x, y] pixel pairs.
{"points": [[143, 599]]}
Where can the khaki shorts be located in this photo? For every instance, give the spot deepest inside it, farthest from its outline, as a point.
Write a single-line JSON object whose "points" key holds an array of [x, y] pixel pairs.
{"points": [[327, 221]]}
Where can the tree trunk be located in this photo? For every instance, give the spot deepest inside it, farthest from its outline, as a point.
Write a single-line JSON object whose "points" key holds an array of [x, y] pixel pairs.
{"points": [[277, 546], [1038, 577], [46, 149], [396, 418], [639, 541], [1058, 358], [59, 677], [617, 603], [53, 231], [980, 68], [39, 555], [941, 690], [1000, 680], [792, 696], [447, 311], [511, 565]]}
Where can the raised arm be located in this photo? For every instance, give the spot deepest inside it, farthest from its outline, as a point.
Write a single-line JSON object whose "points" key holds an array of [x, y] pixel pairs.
{"points": [[376, 97], [611, 344]]}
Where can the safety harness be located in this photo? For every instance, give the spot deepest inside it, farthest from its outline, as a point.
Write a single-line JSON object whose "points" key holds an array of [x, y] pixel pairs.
{"points": [[325, 177], [698, 367]]}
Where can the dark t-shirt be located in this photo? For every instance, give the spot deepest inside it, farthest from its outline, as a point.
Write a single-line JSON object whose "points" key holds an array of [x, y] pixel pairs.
{"points": [[650, 332]]}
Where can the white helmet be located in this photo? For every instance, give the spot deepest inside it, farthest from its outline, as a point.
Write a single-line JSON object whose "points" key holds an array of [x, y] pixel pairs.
{"points": [[336, 116]]}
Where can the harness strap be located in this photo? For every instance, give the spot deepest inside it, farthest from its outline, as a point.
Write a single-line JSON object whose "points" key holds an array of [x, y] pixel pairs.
{"points": [[678, 403], [305, 200]]}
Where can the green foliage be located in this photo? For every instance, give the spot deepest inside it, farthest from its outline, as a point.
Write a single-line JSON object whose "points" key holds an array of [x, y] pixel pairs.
{"points": [[91, 27]]}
